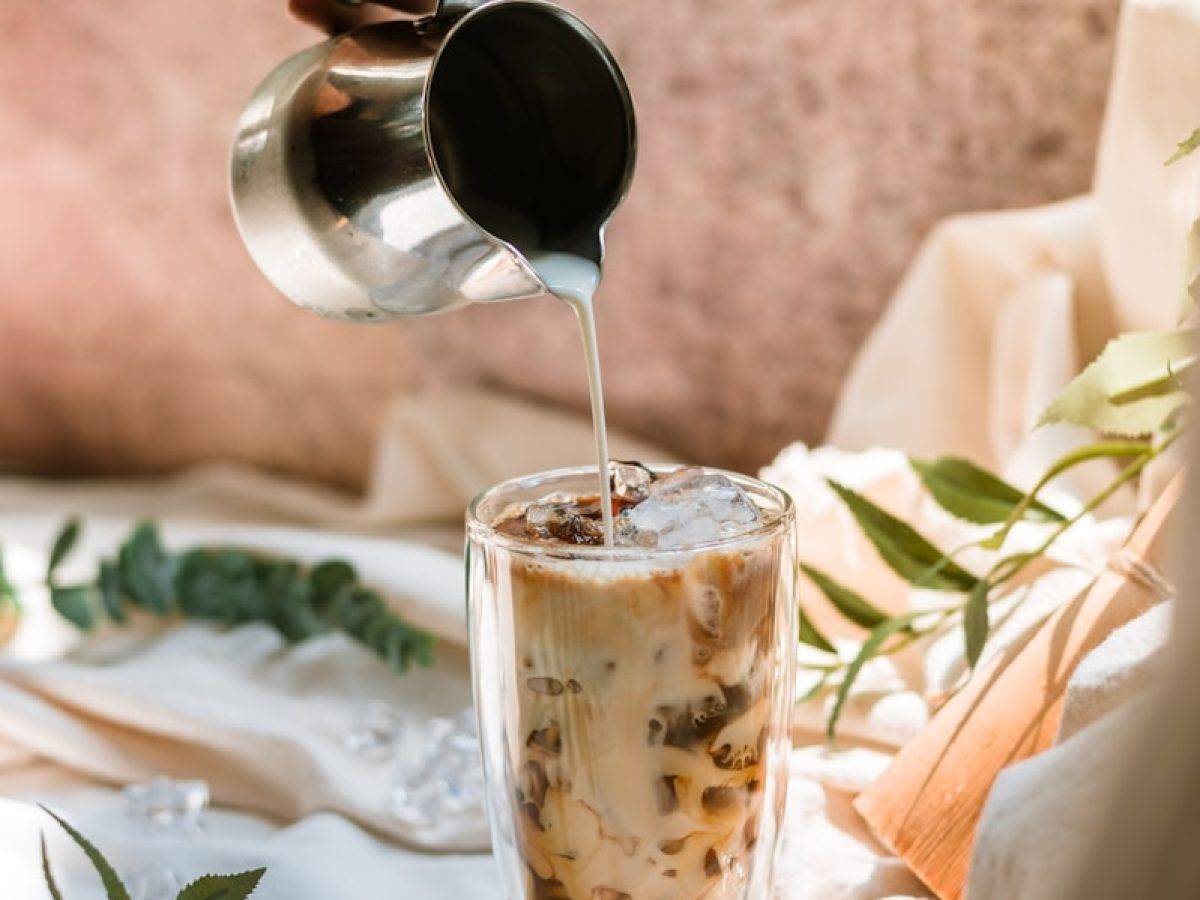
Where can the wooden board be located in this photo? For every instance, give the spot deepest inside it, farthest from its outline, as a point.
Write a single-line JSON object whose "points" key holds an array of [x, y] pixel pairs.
{"points": [[927, 805]]}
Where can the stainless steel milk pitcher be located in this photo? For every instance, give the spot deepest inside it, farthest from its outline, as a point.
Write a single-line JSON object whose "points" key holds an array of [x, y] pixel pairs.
{"points": [[411, 167]]}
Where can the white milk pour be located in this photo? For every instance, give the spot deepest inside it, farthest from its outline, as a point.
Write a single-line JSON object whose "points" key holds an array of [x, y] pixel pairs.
{"points": [[574, 279]]}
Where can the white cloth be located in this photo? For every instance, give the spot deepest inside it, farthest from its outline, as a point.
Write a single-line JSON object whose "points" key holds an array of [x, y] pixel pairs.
{"points": [[260, 722], [1035, 830], [1039, 820], [997, 312], [319, 857]]}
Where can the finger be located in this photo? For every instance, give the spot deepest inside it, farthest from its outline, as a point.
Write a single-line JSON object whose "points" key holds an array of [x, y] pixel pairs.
{"points": [[336, 16]]}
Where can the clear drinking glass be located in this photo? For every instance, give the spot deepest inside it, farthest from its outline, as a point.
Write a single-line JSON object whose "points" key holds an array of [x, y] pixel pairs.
{"points": [[634, 703]]}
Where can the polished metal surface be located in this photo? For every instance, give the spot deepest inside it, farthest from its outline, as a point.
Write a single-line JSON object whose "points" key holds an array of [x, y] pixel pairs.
{"points": [[411, 167]]}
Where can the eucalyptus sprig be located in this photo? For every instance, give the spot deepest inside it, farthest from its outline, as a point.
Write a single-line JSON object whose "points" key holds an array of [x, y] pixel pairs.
{"points": [[208, 887], [232, 586]]}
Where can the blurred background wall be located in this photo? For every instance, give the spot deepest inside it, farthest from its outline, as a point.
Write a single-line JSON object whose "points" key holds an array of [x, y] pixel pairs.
{"points": [[793, 154]]}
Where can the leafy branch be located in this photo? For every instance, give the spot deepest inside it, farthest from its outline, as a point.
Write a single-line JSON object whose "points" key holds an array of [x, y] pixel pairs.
{"points": [[209, 887], [233, 586], [1186, 147], [1132, 391]]}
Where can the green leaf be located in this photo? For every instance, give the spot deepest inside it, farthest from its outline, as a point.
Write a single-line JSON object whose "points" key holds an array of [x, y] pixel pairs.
{"points": [[848, 603], [331, 575], [1102, 450], [113, 888], [908, 554], [62, 544], [974, 494], [221, 585], [374, 633], [397, 648], [870, 647], [1191, 272], [1185, 147], [424, 646], [51, 885], [403, 646], [112, 592], [147, 569], [815, 689], [223, 887], [75, 605], [281, 586], [811, 636], [1131, 388], [8, 592], [1156, 386], [295, 616], [975, 623], [354, 607]]}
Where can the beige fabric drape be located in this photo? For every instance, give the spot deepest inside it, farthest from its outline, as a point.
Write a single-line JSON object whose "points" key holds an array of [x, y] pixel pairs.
{"points": [[1000, 310], [996, 314]]}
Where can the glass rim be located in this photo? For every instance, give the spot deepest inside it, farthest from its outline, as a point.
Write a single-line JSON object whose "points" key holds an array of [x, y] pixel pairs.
{"points": [[477, 528]]}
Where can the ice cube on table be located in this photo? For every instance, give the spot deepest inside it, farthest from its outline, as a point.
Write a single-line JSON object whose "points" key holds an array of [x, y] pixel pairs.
{"points": [[167, 805], [688, 506], [374, 731], [152, 882], [440, 773]]}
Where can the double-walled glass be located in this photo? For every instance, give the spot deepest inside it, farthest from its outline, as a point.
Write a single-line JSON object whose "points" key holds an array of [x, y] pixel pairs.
{"points": [[633, 704]]}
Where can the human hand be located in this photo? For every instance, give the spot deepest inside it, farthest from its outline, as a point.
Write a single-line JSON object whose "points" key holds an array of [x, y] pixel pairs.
{"points": [[336, 16]]}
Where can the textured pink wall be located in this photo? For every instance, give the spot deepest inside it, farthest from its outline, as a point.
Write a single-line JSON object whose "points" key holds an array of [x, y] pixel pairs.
{"points": [[793, 154]]}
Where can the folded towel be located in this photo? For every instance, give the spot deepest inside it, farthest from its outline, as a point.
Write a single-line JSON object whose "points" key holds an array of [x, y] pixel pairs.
{"points": [[1042, 814]]}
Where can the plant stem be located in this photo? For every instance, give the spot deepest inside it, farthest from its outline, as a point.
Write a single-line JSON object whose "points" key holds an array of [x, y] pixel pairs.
{"points": [[1127, 474], [1105, 450], [1146, 452]]}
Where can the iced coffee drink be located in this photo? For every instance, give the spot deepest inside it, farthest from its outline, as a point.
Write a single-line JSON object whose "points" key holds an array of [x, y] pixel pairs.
{"points": [[634, 697]]}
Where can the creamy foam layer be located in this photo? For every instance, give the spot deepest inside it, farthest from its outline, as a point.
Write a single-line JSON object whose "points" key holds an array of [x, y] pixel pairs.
{"points": [[642, 719]]}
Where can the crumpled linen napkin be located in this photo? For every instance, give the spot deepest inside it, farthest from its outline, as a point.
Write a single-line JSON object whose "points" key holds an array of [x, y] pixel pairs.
{"points": [[261, 721], [323, 856]]}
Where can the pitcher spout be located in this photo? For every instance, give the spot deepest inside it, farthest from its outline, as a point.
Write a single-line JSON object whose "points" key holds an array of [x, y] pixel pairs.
{"points": [[398, 171]]}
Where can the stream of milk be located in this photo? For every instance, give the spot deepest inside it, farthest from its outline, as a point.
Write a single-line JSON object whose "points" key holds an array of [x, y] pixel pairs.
{"points": [[574, 280]]}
